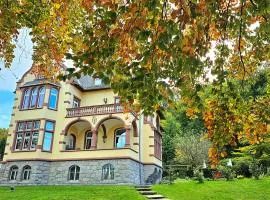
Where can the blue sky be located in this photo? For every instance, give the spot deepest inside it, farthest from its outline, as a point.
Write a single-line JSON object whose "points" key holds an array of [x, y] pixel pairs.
{"points": [[9, 77]]}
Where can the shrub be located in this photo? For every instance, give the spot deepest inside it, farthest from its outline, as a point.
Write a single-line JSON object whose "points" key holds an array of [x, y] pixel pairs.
{"points": [[198, 173], [256, 169], [227, 172], [241, 166]]}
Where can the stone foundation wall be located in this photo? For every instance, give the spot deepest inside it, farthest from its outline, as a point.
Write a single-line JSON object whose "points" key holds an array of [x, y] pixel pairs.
{"points": [[152, 174], [125, 172]]}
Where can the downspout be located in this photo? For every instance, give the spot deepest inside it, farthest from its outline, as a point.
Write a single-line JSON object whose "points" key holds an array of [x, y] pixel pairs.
{"points": [[140, 144]]}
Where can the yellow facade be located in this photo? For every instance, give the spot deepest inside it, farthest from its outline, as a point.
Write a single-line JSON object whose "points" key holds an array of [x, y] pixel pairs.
{"points": [[142, 140]]}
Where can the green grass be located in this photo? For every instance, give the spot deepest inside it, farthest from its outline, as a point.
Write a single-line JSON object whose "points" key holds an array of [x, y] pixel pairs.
{"points": [[70, 193], [245, 189]]}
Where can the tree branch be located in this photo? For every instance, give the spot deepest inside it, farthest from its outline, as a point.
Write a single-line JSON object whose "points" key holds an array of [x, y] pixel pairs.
{"points": [[239, 40], [256, 7]]}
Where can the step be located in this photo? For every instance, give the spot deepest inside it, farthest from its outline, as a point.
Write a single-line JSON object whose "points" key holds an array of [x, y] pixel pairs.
{"points": [[143, 186], [154, 196], [143, 189], [148, 192]]}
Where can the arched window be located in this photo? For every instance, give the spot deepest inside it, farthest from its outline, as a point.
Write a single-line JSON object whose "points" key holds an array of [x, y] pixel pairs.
{"points": [[88, 139], [53, 98], [26, 172], [107, 172], [13, 172], [71, 142], [74, 173], [41, 96], [26, 99], [120, 138], [33, 101]]}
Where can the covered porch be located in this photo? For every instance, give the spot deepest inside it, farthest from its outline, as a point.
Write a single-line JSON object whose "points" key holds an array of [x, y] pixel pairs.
{"points": [[109, 133]]}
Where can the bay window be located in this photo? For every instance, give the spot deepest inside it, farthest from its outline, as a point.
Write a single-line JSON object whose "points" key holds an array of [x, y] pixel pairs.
{"points": [[33, 98]]}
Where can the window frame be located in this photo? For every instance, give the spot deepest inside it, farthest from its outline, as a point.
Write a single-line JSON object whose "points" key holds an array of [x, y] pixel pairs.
{"points": [[38, 97], [33, 95], [57, 98], [85, 139], [110, 168], [23, 99], [48, 131], [11, 170], [76, 99], [115, 136], [23, 132], [157, 145], [28, 170], [74, 142], [77, 171], [31, 89]]}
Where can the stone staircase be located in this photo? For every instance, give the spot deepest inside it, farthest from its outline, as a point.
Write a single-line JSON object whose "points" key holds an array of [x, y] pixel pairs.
{"points": [[148, 193]]}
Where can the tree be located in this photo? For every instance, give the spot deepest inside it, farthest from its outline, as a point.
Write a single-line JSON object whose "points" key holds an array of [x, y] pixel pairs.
{"points": [[178, 125], [3, 137], [192, 150], [147, 49]]}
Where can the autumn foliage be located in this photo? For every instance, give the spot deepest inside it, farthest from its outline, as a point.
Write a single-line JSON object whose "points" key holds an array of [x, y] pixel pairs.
{"points": [[149, 49]]}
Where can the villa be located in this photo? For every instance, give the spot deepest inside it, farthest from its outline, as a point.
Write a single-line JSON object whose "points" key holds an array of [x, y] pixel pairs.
{"points": [[77, 132]]}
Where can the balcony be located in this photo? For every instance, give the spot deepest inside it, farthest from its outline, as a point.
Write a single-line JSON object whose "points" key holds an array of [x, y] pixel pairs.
{"points": [[94, 110]]}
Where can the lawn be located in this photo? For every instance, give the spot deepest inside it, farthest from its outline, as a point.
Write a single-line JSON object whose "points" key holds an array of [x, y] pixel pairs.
{"points": [[245, 189], [70, 193]]}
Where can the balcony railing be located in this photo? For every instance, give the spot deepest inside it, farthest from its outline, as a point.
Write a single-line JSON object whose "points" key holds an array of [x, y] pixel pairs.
{"points": [[94, 110]]}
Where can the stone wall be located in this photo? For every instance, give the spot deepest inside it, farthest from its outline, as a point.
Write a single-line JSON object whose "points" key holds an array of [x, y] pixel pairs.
{"points": [[152, 174], [125, 172]]}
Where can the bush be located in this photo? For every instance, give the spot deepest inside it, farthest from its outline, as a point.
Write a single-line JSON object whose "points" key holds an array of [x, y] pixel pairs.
{"points": [[241, 166], [198, 173], [256, 170], [227, 172]]}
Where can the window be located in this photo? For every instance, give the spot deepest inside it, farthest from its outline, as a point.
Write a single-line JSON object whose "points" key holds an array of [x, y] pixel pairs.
{"points": [[74, 173], [33, 98], [41, 96], [27, 135], [107, 172], [26, 172], [88, 139], [13, 172], [53, 98], [157, 145], [71, 142], [26, 99], [117, 100], [76, 102], [157, 123], [33, 101], [120, 138], [98, 81], [48, 136]]}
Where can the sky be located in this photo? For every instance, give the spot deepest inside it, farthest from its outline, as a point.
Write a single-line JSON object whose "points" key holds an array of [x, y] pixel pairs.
{"points": [[8, 77]]}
